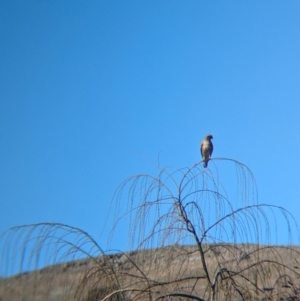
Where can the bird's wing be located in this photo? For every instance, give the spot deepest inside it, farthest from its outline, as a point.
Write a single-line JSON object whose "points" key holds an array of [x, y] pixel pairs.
{"points": [[211, 149]]}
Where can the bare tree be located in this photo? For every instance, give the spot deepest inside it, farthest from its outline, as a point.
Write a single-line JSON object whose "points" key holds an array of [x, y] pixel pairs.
{"points": [[190, 239]]}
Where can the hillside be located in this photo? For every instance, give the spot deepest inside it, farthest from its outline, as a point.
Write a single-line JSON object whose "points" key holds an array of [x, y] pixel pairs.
{"points": [[169, 270]]}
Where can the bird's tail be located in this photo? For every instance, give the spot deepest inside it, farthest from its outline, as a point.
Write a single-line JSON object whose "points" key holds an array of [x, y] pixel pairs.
{"points": [[205, 163]]}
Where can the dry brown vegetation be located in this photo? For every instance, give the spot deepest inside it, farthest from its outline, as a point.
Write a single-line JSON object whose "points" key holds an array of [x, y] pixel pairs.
{"points": [[192, 240], [167, 271]]}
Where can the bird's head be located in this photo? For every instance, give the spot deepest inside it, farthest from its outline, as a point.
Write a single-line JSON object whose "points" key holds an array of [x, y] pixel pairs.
{"points": [[209, 136]]}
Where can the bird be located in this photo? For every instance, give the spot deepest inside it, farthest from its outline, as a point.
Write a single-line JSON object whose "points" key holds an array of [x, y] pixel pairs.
{"points": [[206, 149]]}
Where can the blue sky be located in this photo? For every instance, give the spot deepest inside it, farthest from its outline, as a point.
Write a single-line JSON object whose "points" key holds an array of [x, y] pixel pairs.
{"points": [[91, 92]]}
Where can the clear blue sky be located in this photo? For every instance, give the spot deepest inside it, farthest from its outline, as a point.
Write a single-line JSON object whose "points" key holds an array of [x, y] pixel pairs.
{"points": [[92, 91]]}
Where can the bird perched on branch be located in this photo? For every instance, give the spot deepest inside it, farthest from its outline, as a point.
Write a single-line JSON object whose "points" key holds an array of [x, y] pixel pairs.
{"points": [[206, 149]]}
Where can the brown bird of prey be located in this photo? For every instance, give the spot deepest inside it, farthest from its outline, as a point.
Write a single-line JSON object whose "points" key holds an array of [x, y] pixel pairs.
{"points": [[206, 149]]}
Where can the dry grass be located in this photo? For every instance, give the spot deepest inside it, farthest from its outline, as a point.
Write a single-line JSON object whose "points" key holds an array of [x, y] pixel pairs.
{"points": [[167, 270]]}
